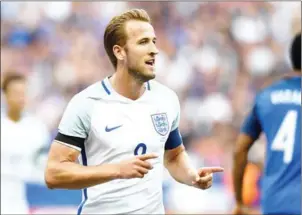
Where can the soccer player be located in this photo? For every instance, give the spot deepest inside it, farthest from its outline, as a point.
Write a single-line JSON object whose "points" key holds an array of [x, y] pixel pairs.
{"points": [[276, 113], [126, 129], [22, 136]]}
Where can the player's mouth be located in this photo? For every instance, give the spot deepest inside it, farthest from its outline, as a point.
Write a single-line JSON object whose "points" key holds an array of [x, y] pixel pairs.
{"points": [[150, 63]]}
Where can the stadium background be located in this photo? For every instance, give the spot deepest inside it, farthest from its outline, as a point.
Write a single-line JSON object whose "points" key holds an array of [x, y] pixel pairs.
{"points": [[214, 55]]}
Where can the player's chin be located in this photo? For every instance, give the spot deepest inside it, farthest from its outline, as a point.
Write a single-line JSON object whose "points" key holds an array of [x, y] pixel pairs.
{"points": [[150, 77], [149, 74]]}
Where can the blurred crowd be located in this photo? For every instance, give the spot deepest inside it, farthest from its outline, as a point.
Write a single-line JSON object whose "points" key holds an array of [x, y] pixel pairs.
{"points": [[215, 55]]}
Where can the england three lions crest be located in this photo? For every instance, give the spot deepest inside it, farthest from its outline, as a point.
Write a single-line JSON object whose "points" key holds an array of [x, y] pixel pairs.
{"points": [[160, 122]]}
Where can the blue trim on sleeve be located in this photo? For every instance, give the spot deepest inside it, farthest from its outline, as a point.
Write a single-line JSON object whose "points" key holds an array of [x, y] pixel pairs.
{"points": [[174, 140], [105, 88], [84, 158]]}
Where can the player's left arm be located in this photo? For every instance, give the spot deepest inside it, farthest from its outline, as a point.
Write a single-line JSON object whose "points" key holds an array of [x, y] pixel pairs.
{"points": [[178, 163], [250, 131], [180, 167]]}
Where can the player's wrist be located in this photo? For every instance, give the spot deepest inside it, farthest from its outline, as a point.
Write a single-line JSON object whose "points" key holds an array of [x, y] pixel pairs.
{"points": [[111, 171], [116, 172], [192, 174]]}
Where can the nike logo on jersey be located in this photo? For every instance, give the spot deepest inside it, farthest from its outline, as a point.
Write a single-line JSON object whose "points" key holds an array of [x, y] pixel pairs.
{"points": [[107, 129]]}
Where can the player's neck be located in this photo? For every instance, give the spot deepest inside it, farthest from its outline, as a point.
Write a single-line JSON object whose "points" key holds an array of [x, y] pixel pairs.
{"points": [[13, 115], [125, 85]]}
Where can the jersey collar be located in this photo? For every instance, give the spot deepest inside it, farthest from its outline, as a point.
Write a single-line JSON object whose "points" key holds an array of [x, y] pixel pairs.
{"points": [[109, 90]]}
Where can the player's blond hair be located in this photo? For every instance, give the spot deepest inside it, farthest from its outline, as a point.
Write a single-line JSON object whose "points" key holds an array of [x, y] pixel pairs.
{"points": [[115, 31]]}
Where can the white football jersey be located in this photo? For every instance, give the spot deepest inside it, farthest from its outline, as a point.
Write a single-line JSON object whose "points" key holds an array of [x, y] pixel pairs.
{"points": [[117, 128]]}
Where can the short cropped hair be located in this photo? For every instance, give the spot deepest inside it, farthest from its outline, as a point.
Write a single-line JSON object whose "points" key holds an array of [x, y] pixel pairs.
{"points": [[10, 77], [115, 31], [295, 52]]}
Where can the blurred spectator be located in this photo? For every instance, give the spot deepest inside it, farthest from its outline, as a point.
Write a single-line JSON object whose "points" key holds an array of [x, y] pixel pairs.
{"points": [[23, 136]]}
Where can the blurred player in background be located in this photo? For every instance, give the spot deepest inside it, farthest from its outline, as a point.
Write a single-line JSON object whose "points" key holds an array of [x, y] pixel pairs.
{"points": [[124, 127], [22, 136], [276, 113]]}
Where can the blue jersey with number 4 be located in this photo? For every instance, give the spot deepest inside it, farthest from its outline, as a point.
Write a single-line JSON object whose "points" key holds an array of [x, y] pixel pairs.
{"points": [[277, 113]]}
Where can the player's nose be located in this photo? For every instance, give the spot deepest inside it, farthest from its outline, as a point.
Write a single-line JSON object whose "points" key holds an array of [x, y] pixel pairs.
{"points": [[154, 50]]}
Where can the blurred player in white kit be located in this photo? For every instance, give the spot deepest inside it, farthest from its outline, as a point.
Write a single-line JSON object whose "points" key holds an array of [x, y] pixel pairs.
{"points": [[22, 136], [125, 130]]}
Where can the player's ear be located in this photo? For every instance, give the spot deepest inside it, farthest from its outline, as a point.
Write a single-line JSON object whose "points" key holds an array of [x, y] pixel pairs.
{"points": [[119, 52]]}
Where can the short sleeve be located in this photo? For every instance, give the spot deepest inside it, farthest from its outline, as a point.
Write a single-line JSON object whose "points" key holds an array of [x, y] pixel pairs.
{"points": [[76, 118], [251, 125], [174, 139]]}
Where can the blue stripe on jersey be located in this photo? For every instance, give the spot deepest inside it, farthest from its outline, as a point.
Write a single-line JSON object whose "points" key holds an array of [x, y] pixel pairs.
{"points": [[84, 158], [148, 85], [174, 140], [105, 88]]}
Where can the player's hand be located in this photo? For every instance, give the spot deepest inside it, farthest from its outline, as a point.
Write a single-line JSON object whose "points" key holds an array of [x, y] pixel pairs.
{"points": [[203, 179], [136, 167]]}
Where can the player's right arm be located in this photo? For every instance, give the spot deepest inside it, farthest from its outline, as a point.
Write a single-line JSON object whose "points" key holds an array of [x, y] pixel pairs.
{"points": [[250, 132], [62, 170]]}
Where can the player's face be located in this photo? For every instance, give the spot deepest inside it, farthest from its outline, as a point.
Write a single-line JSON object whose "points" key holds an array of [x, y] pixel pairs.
{"points": [[15, 95], [141, 50]]}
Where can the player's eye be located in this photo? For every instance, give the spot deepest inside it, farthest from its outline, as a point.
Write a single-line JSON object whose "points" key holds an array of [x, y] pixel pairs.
{"points": [[143, 42]]}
